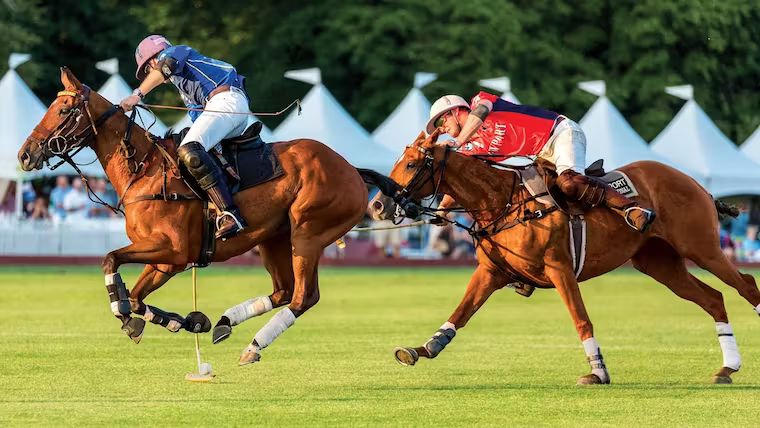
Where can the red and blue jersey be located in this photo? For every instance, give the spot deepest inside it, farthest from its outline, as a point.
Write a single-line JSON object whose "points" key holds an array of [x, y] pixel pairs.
{"points": [[510, 129]]}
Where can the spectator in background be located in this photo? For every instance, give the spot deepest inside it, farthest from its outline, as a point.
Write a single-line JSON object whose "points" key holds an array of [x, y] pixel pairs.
{"points": [[740, 223], [57, 195], [95, 209], [461, 241], [40, 209], [727, 244], [76, 202], [28, 196], [751, 245]]}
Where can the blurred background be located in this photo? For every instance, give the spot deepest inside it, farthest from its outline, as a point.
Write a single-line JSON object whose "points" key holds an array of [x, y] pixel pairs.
{"points": [[373, 66]]}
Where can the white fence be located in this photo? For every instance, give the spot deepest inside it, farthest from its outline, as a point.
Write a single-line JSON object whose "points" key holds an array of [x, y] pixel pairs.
{"points": [[47, 238]]}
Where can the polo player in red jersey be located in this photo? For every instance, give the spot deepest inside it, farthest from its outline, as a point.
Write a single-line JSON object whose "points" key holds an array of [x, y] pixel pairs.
{"points": [[492, 126]]}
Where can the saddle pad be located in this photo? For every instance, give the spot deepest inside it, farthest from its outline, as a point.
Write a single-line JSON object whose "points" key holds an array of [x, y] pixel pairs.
{"points": [[256, 162], [534, 182], [620, 182]]}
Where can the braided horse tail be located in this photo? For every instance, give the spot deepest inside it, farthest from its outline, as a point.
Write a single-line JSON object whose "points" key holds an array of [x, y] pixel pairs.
{"points": [[726, 209]]}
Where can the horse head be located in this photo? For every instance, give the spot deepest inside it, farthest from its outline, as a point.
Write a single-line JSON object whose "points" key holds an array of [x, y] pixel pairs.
{"points": [[418, 176], [66, 126]]}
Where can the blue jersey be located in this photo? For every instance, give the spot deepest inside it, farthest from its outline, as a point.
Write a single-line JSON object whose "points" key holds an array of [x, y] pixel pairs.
{"points": [[195, 75]]}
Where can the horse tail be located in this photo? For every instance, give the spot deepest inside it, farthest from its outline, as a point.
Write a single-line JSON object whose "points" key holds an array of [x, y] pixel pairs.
{"points": [[726, 209]]}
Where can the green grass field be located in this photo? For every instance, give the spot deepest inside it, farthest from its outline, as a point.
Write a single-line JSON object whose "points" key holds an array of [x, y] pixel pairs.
{"points": [[64, 360]]}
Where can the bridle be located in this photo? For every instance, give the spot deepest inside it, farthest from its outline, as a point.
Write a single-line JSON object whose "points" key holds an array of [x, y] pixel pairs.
{"points": [[426, 172], [67, 139]]}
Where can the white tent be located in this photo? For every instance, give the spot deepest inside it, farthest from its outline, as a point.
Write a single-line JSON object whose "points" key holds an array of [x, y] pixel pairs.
{"points": [[324, 120], [503, 85], [403, 126], [751, 147], [116, 89], [694, 140], [610, 137], [20, 112]]}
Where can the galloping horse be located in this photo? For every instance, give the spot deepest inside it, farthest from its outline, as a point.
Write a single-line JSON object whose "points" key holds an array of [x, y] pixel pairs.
{"points": [[293, 217], [514, 243]]}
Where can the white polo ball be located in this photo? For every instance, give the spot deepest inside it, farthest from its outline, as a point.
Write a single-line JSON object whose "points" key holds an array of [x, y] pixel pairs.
{"points": [[205, 368]]}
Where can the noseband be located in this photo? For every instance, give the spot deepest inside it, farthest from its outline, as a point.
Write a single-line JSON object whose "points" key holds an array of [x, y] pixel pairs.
{"points": [[403, 197]]}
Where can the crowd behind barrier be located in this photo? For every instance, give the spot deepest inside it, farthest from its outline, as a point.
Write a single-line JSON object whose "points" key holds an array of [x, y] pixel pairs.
{"points": [[59, 219]]}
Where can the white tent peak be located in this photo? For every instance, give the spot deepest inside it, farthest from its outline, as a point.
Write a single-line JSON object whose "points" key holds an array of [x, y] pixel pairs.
{"points": [[325, 120], [110, 66], [15, 59], [116, 89], [405, 122], [501, 84], [694, 140], [423, 79], [594, 87], [312, 76], [685, 92], [751, 147]]}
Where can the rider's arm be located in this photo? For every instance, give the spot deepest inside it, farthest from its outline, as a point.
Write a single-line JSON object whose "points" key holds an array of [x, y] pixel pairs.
{"points": [[474, 120], [152, 81], [447, 202]]}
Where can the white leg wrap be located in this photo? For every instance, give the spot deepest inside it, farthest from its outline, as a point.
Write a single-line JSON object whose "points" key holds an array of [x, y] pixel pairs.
{"points": [[448, 326], [275, 327], [148, 316], [115, 308], [174, 326], [757, 309], [110, 278], [594, 355], [731, 357], [248, 309]]}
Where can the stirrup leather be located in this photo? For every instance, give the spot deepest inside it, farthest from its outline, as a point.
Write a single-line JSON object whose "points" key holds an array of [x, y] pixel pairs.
{"points": [[227, 214]]}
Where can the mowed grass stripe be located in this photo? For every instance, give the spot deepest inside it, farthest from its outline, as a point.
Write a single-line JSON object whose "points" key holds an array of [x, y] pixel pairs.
{"points": [[64, 361]]}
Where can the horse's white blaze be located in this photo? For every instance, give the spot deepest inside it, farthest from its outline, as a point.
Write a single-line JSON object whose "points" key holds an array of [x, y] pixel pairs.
{"points": [[728, 346], [248, 309], [275, 327]]}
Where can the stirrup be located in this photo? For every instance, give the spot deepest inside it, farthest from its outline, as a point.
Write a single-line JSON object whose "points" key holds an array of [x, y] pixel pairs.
{"points": [[227, 214], [650, 216]]}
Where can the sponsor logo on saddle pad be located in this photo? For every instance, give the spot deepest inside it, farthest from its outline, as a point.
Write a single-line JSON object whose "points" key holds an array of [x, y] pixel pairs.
{"points": [[621, 183]]}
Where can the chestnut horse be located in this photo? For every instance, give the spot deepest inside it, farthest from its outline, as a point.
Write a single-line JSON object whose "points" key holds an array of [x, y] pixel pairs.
{"points": [[513, 245], [292, 218]]}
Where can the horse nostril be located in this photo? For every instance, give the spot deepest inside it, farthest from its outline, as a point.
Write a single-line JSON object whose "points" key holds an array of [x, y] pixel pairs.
{"points": [[378, 206], [24, 156]]}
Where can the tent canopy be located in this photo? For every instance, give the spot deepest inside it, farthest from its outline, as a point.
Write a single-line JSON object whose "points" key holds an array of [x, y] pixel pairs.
{"points": [[692, 139], [610, 137], [20, 112], [404, 124], [323, 119], [751, 147]]}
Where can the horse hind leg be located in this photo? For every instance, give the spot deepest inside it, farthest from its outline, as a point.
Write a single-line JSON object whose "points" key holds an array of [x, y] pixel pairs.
{"points": [[662, 262], [718, 264], [305, 258], [276, 254]]}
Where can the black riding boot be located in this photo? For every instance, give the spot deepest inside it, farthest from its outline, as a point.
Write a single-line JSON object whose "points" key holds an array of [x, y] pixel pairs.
{"points": [[208, 175]]}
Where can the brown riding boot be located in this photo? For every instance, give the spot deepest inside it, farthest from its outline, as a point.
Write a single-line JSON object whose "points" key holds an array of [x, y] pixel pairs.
{"points": [[595, 192], [229, 221]]}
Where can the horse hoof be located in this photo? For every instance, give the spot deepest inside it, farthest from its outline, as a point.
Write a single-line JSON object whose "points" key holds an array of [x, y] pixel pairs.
{"points": [[249, 357], [406, 356], [221, 332], [197, 322], [723, 377], [591, 379], [134, 327]]}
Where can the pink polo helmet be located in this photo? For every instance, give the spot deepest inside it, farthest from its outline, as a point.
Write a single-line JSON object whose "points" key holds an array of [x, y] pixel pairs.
{"points": [[147, 49]]}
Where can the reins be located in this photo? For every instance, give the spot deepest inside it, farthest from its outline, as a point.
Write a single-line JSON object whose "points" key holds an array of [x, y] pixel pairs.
{"points": [[296, 102]]}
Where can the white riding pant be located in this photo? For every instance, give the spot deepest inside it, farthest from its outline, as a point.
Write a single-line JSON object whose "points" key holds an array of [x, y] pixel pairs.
{"points": [[566, 148], [211, 128]]}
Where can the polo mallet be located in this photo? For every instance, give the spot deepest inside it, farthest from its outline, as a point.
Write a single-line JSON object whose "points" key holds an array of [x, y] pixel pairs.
{"points": [[204, 369]]}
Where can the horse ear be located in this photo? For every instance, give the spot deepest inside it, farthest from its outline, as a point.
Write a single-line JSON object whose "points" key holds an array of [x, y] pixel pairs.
{"points": [[69, 80], [432, 139], [420, 138]]}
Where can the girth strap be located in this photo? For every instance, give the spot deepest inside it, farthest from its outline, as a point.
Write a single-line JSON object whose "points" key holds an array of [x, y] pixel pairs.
{"points": [[169, 197]]}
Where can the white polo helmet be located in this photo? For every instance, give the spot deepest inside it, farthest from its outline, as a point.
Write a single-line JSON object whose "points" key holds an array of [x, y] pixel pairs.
{"points": [[441, 106]]}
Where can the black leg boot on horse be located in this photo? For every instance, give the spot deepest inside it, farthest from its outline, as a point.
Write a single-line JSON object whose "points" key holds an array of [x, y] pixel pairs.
{"points": [[209, 176], [594, 192]]}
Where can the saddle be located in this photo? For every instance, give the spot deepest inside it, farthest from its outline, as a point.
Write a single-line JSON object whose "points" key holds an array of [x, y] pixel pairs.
{"points": [[246, 159]]}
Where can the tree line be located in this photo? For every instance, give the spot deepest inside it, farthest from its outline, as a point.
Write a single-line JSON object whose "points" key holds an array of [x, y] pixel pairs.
{"points": [[369, 50]]}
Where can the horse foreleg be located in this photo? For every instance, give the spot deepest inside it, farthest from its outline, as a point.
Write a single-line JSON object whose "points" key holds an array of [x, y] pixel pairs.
{"points": [[482, 284], [118, 293], [567, 287], [305, 259]]}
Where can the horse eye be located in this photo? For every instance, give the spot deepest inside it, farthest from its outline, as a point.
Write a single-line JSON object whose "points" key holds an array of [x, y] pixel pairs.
{"points": [[410, 165], [64, 111]]}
